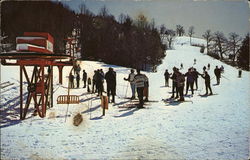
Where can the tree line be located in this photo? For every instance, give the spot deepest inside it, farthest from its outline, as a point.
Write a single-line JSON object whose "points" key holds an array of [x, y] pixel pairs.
{"points": [[128, 42], [232, 49]]}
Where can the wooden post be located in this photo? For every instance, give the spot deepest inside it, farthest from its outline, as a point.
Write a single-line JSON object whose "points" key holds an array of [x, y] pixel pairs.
{"points": [[21, 92], [60, 68]]}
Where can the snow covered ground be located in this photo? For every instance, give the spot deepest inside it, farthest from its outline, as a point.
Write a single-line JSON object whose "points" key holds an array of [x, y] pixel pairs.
{"points": [[214, 127]]}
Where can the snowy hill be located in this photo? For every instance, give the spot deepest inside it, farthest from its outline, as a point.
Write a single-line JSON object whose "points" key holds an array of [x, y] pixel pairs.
{"points": [[214, 127]]}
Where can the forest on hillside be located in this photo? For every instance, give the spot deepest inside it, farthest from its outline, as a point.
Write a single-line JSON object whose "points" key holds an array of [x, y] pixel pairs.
{"points": [[128, 42]]}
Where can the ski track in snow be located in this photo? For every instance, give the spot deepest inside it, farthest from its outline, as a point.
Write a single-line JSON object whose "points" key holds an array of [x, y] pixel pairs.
{"points": [[214, 127]]}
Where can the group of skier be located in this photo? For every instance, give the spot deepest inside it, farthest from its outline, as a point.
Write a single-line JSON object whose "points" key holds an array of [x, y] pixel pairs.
{"points": [[139, 82], [178, 80]]}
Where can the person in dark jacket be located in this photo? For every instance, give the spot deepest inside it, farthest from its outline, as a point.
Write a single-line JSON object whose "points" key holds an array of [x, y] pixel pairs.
{"points": [[94, 88], [110, 78], [84, 78], [196, 76], [77, 80], [207, 82], [99, 82], [71, 81], [167, 75], [174, 84], [190, 81], [180, 80], [217, 73]]}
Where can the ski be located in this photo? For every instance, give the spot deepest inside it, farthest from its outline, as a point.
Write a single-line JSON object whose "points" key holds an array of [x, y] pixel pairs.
{"points": [[207, 95], [174, 101], [7, 85]]}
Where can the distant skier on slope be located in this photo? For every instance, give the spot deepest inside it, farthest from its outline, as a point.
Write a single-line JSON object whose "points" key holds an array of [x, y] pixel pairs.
{"points": [[217, 73], [84, 78], [77, 80], [110, 77], [71, 81], [181, 66], [207, 83], [130, 78], [204, 69], [208, 66], [194, 61], [140, 80], [167, 75]]}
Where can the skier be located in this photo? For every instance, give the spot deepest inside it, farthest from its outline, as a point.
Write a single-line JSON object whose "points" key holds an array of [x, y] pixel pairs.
{"points": [[217, 73], [181, 66], [207, 82], [222, 69], [140, 80], [240, 73], [204, 69], [174, 83], [89, 83], [130, 78], [208, 66], [71, 81], [196, 76], [110, 77], [77, 80], [84, 78], [194, 61], [94, 88], [166, 74], [99, 82], [190, 81], [78, 69], [145, 91], [180, 79]]}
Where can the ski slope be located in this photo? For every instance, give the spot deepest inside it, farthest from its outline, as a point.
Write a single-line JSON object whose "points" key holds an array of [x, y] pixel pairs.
{"points": [[214, 127]]}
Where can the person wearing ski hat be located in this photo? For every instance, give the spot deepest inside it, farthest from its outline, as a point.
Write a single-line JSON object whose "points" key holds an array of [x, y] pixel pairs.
{"points": [[217, 73], [207, 83], [180, 79], [110, 77], [174, 84], [166, 75], [140, 82], [190, 81], [130, 78]]}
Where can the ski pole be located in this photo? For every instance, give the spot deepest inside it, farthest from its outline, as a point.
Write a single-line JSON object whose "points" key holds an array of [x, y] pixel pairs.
{"points": [[225, 77]]}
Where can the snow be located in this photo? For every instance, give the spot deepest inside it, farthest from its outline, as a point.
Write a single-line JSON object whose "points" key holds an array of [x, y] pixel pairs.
{"points": [[215, 127]]}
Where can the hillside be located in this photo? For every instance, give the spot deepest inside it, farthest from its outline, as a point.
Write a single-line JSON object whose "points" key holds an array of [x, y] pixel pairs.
{"points": [[214, 127]]}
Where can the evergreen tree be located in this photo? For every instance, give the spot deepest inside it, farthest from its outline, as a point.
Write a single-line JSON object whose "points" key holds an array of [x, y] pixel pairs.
{"points": [[243, 58]]}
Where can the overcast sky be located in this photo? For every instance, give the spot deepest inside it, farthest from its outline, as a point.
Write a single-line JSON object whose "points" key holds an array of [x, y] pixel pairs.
{"points": [[221, 15]]}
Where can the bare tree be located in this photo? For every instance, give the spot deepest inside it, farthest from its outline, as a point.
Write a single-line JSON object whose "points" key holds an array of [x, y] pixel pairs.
{"points": [[162, 32], [83, 9], [208, 36], [180, 30], [104, 12], [234, 44], [220, 45], [191, 32], [121, 18], [170, 34]]}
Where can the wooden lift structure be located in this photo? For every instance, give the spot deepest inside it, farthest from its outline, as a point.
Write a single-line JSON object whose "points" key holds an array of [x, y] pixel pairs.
{"points": [[40, 82]]}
